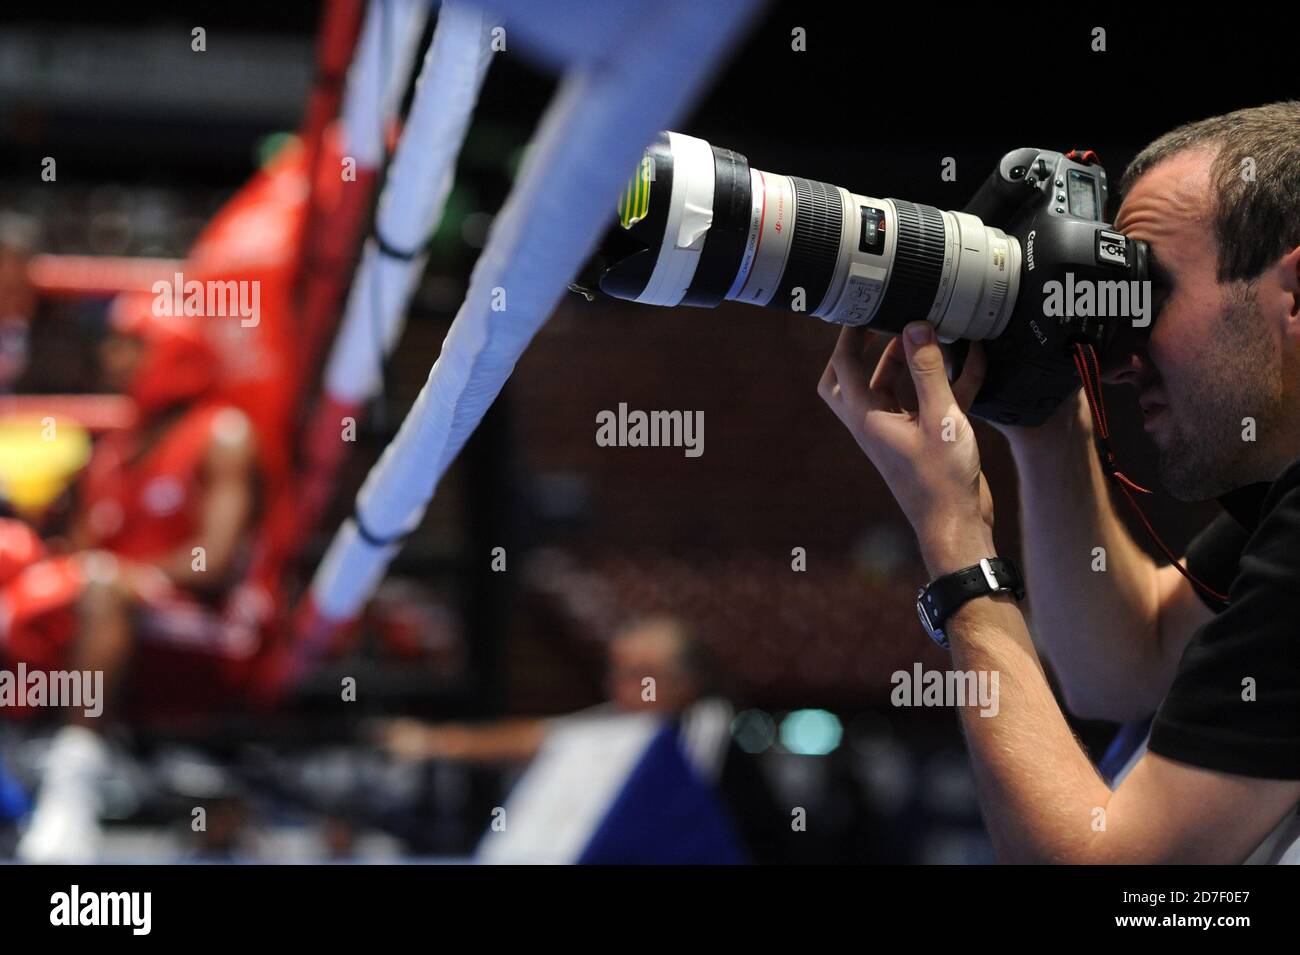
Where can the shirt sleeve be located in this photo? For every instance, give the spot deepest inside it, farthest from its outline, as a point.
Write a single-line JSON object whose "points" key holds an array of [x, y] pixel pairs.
{"points": [[1235, 701]]}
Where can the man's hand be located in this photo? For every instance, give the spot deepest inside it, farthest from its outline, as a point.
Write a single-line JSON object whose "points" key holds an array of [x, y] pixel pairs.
{"points": [[502, 741], [414, 740], [912, 424]]}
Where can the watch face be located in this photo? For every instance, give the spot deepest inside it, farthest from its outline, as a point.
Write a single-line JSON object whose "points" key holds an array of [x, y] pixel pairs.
{"points": [[925, 619], [934, 632]]}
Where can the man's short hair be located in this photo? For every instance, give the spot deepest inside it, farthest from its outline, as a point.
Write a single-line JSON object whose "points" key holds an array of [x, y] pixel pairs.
{"points": [[1254, 182]]}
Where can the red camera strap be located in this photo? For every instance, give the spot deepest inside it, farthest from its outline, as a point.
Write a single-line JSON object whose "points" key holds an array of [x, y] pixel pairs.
{"points": [[1085, 362]]}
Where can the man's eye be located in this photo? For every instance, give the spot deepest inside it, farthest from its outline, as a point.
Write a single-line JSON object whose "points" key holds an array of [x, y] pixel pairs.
{"points": [[1159, 295]]}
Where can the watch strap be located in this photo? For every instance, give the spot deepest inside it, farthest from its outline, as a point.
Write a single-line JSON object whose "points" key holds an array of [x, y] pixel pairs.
{"points": [[945, 594]]}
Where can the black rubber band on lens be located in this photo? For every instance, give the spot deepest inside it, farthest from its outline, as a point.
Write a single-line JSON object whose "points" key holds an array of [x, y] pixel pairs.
{"points": [[724, 245]]}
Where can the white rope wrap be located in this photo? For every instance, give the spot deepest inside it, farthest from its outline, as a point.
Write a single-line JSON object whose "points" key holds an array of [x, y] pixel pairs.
{"points": [[411, 206], [390, 38], [603, 116]]}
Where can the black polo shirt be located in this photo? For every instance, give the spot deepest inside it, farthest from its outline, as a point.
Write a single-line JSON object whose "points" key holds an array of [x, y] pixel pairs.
{"points": [[1235, 701]]}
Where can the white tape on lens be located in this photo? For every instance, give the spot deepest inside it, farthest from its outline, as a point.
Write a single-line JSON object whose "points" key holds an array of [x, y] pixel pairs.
{"points": [[690, 214]]}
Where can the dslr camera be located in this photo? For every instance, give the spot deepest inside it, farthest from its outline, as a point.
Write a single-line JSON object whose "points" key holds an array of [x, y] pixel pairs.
{"points": [[1029, 267]]}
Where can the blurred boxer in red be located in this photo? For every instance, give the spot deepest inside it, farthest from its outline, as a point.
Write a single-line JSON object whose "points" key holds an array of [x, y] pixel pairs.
{"points": [[160, 535]]}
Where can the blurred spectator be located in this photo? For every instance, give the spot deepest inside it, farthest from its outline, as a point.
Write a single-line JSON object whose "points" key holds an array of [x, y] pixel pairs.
{"points": [[656, 664]]}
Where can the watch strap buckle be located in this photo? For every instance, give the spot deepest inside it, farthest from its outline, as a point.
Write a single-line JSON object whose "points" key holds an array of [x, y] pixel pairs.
{"points": [[989, 576]]}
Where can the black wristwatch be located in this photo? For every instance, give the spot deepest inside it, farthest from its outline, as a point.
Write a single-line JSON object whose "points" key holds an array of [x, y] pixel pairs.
{"points": [[939, 600]]}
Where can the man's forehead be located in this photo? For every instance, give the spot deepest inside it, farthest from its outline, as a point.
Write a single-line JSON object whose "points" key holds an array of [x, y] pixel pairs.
{"points": [[1169, 201], [645, 637]]}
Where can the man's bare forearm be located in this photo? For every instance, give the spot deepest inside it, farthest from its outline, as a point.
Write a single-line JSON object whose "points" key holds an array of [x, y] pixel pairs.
{"points": [[1094, 605], [1037, 789]]}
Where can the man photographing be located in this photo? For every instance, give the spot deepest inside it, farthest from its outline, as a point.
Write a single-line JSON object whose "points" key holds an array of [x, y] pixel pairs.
{"points": [[1218, 202]]}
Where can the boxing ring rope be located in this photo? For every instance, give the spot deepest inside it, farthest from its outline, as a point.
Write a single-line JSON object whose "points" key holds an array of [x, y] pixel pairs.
{"points": [[634, 67], [376, 81], [371, 96], [335, 48], [390, 39], [410, 209]]}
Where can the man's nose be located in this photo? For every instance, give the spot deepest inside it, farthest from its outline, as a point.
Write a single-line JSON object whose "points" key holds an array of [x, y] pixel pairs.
{"points": [[1127, 371]]}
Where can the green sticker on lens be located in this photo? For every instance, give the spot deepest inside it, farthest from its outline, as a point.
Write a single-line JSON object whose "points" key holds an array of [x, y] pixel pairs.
{"points": [[634, 202]]}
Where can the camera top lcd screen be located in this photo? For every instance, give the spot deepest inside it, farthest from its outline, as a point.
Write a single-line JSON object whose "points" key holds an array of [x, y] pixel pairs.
{"points": [[1083, 195]]}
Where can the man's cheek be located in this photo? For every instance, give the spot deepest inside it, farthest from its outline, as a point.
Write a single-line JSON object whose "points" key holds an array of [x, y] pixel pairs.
{"points": [[1166, 357]]}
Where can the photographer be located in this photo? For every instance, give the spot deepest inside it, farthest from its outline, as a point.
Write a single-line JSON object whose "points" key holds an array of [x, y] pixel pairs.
{"points": [[1223, 678]]}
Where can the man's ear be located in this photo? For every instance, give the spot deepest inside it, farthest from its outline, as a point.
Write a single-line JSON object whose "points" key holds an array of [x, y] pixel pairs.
{"points": [[1288, 274]]}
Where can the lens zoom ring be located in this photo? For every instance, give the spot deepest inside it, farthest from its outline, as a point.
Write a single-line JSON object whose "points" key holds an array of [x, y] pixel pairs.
{"points": [[818, 224], [917, 269]]}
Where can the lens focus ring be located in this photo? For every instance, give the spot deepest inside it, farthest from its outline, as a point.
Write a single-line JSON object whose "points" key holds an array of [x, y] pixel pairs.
{"points": [[818, 223], [917, 269]]}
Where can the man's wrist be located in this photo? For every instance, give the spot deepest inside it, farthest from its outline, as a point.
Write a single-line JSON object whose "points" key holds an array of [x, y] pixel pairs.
{"points": [[1071, 423], [956, 546]]}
